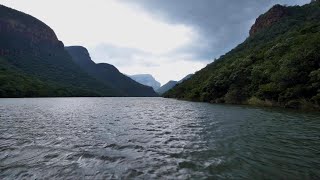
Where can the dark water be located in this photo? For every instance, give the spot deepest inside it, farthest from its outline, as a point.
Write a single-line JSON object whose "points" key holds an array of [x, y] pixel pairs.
{"points": [[154, 138]]}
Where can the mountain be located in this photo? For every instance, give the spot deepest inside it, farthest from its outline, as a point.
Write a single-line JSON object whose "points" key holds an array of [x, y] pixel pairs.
{"points": [[277, 65], [185, 78], [108, 74], [146, 79], [169, 85], [33, 62], [163, 89]]}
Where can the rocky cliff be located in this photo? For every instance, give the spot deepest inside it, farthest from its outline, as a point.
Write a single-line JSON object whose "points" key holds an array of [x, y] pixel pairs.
{"points": [[269, 18], [23, 25], [34, 34]]}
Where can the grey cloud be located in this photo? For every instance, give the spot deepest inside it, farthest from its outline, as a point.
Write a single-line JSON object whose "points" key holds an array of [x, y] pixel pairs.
{"points": [[222, 24]]}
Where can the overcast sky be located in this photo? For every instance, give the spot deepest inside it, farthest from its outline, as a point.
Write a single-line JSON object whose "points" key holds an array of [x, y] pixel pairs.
{"points": [[166, 38]]}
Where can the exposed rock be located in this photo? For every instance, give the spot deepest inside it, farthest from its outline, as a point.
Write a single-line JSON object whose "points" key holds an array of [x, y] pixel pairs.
{"points": [[30, 32], [276, 13], [26, 26]]}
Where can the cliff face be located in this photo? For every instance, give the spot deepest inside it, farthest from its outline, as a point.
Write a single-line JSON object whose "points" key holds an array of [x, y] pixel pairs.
{"points": [[23, 25], [35, 34], [269, 18], [23, 35]]}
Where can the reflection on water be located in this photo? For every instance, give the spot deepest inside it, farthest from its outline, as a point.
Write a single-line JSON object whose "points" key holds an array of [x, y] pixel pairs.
{"points": [[87, 138]]}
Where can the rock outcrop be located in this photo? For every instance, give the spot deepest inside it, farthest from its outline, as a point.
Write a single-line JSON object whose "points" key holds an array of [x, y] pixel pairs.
{"points": [[27, 26], [266, 20]]}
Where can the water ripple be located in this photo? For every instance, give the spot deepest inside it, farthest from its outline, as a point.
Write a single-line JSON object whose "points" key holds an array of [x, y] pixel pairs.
{"points": [[154, 138]]}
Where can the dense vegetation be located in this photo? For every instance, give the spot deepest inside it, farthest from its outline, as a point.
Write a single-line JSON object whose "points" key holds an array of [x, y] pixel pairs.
{"points": [[277, 66], [14, 83]]}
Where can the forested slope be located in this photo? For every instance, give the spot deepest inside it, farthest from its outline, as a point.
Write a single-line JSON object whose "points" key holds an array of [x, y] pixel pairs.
{"points": [[278, 65]]}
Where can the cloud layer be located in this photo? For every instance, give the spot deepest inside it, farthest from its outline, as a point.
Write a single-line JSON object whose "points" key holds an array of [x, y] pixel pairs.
{"points": [[220, 24], [216, 26]]}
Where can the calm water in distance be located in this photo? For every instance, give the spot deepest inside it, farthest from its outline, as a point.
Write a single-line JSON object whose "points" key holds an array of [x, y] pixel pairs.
{"points": [[154, 138]]}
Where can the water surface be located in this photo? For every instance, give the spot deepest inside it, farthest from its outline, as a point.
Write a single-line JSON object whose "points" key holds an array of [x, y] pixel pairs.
{"points": [[154, 138]]}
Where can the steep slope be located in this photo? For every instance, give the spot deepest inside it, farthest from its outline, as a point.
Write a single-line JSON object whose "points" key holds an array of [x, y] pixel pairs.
{"points": [[185, 78], [274, 15], [108, 74], [278, 65], [169, 85], [146, 79], [30, 48], [163, 89]]}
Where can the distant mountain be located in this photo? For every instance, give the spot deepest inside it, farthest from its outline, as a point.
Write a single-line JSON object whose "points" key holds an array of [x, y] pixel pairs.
{"points": [[185, 78], [169, 85], [33, 61], [146, 79], [108, 74], [163, 89], [277, 65]]}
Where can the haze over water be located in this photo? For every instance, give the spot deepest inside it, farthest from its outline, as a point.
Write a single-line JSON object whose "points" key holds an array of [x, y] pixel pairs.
{"points": [[143, 138]]}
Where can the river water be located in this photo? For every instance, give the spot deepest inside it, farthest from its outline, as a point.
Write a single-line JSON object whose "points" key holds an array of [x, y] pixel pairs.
{"points": [[154, 138]]}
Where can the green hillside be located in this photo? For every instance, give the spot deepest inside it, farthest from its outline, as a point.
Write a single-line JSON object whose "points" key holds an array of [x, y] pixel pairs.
{"points": [[278, 65], [14, 83]]}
